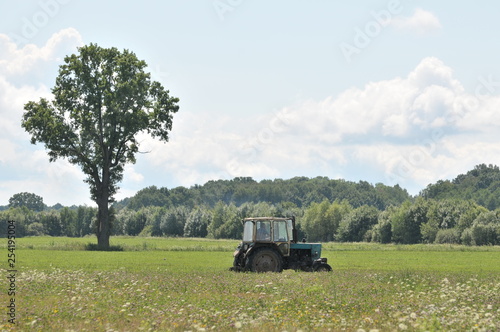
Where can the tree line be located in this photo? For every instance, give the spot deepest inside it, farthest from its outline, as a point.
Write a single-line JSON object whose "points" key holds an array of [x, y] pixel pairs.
{"points": [[300, 191], [326, 210]]}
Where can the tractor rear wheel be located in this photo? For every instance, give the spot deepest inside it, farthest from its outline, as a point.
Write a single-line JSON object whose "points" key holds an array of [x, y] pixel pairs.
{"points": [[265, 260]]}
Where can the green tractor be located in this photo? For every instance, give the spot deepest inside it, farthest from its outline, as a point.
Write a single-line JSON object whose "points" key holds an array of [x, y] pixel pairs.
{"points": [[270, 245]]}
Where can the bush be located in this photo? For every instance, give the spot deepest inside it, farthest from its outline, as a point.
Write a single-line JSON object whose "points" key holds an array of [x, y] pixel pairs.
{"points": [[95, 247], [382, 232], [36, 229], [467, 238], [484, 234], [146, 231], [450, 235]]}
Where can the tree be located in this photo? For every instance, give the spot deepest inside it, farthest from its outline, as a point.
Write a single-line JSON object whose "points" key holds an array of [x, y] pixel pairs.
{"points": [[321, 220], [84, 218], [103, 99], [172, 222], [51, 221], [150, 196], [218, 219], [382, 231], [407, 220], [196, 223], [29, 200], [353, 226]]}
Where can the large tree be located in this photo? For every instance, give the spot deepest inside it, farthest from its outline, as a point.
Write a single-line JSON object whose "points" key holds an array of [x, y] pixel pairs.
{"points": [[103, 99], [29, 200]]}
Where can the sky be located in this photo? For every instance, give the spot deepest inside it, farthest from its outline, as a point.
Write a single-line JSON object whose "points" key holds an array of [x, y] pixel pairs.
{"points": [[396, 92]]}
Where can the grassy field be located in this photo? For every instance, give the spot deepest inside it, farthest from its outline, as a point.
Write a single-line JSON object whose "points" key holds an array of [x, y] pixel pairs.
{"points": [[160, 284]]}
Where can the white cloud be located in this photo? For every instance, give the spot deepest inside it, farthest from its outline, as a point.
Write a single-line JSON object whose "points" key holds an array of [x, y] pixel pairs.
{"points": [[24, 167], [131, 174], [18, 61], [412, 130], [421, 22]]}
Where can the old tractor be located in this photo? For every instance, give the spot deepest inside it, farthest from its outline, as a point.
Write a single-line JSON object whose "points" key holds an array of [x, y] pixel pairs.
{"points": [[270, 245]]}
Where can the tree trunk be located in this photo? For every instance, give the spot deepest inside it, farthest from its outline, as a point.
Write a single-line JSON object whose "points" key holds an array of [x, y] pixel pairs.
{"points": [[103, 229], [103, 219]]}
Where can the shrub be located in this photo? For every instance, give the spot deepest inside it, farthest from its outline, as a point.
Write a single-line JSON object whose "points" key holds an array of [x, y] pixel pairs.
{"points": [[146, 231], [450, 235], [36, 229], [484, 234], [466, 237], [95, 247]]}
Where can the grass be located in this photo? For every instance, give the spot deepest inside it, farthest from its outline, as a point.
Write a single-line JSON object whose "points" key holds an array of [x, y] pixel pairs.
{"points": [[128, 243], [184, 285]]}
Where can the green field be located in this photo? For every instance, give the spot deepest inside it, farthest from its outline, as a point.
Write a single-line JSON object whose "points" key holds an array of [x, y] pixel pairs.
{"points": [[170, 284]]}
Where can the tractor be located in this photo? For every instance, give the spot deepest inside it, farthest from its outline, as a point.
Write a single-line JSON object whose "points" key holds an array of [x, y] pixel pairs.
{"points": [[270, 245]]}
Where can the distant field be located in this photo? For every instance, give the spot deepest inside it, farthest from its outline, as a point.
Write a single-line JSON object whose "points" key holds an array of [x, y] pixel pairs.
{"points": [[172, 284]]}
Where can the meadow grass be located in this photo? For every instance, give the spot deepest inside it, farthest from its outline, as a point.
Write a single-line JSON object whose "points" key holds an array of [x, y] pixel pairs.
{"points": [[162, 284], [128, 243]]}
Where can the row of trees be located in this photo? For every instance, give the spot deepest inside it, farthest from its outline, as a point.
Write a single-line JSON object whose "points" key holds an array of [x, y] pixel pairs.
{"points": [[481, 184], [420, 221], [64, 222], [301, 191], [330, 210]]}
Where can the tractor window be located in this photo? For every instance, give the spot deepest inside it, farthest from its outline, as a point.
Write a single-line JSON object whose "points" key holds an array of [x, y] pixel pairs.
{"points": [[248, 232], [289, 225], [263, 231], [280, 233]]}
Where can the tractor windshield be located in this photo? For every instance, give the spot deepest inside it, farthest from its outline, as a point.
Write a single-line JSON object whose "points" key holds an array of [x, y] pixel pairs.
{"points": [[248, 231], [263, 230]]}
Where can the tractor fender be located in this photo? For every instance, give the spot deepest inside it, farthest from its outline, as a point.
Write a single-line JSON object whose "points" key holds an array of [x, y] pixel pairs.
{"points": [[258, 246], [321, 264]]}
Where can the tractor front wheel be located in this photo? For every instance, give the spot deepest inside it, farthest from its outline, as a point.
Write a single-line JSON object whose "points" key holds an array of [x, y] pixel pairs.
{"points": [[265, 260], [322, 268]]}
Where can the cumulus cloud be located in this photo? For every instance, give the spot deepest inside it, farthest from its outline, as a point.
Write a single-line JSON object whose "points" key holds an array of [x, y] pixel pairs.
{"points": [[16, 61], [23, 73], [421, 22], [410, 130]]}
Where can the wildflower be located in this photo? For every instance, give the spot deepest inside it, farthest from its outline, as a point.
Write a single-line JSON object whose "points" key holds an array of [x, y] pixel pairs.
{"points": [[403, 327], [237, 325]]}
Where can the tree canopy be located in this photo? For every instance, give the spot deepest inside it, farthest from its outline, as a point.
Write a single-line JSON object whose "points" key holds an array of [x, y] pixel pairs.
{"points": [[103, 99], [29, 200], [481, 184]]}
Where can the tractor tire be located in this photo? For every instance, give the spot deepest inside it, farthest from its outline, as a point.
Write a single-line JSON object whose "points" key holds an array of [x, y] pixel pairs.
{"points": [[265, 260], [322, 268]]}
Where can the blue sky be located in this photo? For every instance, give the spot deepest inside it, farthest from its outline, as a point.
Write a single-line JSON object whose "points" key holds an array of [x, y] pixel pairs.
{"points": [[399, 92]]}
